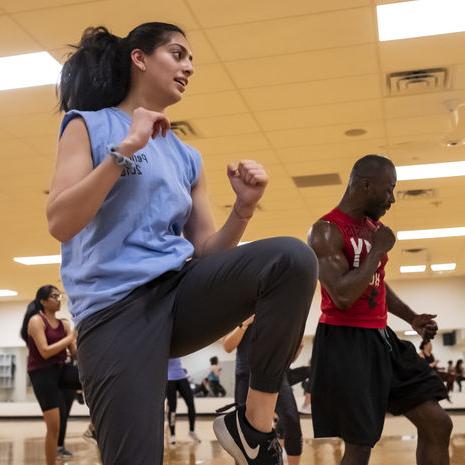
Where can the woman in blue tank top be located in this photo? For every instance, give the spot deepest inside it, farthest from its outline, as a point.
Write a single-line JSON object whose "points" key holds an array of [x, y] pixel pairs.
{"points": [[147, 274], [178, 382]]}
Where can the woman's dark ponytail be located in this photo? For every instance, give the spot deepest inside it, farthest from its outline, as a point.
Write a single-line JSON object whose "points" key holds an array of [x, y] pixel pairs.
{"points": [[94, 76], [34, 307], [98, 74]]}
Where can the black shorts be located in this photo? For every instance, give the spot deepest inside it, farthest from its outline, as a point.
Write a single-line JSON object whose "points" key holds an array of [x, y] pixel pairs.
{"points": [[48, 383], [358, 375]]}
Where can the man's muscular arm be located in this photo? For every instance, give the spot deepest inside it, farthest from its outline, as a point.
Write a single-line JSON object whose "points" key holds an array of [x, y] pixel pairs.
{"points": [[344, 285]]}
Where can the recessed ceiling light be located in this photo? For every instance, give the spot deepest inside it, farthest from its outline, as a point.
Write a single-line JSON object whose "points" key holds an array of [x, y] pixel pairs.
{"points": [[413, 269], [7, 293], [430, 171], [444, 266], [38, 260], [355, 132], [28, 70], [420, 18], [430, 233], [454, 143]]}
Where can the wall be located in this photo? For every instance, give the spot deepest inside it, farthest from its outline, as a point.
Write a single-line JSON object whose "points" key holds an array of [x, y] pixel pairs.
{"points": [[444, 296]]}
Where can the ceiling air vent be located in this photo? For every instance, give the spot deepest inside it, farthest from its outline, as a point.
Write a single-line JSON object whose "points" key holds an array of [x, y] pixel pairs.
{"points": [[417, 81], [184, 130], [416, 194], [317, 180]]}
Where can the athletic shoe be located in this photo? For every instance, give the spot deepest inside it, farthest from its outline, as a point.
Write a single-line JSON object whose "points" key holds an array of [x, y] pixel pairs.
{"points": [[89, 435], [194, 437], [245, 444], [172, 439], [62, 452], [306, 409]]}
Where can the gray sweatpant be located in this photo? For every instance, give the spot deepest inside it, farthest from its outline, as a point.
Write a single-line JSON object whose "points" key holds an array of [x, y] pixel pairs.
{"points": [[123, 350]]}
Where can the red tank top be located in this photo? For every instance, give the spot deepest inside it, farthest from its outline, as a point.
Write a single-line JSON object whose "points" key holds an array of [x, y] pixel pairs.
{"points": [[370, 310], [35, 361]]}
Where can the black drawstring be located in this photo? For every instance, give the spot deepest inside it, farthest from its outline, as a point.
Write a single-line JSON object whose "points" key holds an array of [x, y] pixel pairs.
{"points": [[384, 335]]}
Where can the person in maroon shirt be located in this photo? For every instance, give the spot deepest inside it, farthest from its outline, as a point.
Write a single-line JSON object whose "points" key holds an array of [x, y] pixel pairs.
{"points": [[360, 369], [47, 339]]}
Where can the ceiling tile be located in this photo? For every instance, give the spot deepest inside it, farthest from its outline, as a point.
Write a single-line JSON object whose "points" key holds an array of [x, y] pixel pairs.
{"points": [[43, 145], [14, 40], [422, 104], [225, 125], [313, 93], [418, 125], [296, 34], [282, 204], [321, 115], [23, 165], [341, 166], [34, 125], [231, 144], [306, 66], [322, 135], [414, 149], [458, 77], [56, 27], [422, 52], [209, 78], [61, 54], [17, 152], [202, 51], [39, 99], [212, 13], [13, 6], [351, 150], [208, 105]]}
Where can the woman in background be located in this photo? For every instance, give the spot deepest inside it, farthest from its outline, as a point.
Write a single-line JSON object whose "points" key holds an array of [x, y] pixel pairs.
{"points": [[426, 352], [214, 378], [47, 338], [288, 420], [459, 373]]}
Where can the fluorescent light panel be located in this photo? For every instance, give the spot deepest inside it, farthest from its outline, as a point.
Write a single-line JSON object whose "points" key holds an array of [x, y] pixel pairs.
{"points": [[7, 293], [420, 18], [28, 70], [431, 170], [430, 233], [410, 332], [38, 260], [413, 269], [443, 266]]}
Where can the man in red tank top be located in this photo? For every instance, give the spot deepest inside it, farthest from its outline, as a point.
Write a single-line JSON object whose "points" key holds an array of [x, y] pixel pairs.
{"points": [[360, 369]]}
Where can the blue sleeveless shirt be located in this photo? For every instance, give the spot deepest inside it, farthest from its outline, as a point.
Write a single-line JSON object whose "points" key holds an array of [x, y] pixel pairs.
{"points": [[136, 234]]}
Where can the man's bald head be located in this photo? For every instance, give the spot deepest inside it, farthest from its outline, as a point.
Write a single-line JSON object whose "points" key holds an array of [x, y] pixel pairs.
{"points": [[371, 185], [370, 166]]}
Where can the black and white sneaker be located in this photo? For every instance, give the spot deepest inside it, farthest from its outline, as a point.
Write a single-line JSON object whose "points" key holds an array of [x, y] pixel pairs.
{"points": [[245, 444]]}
